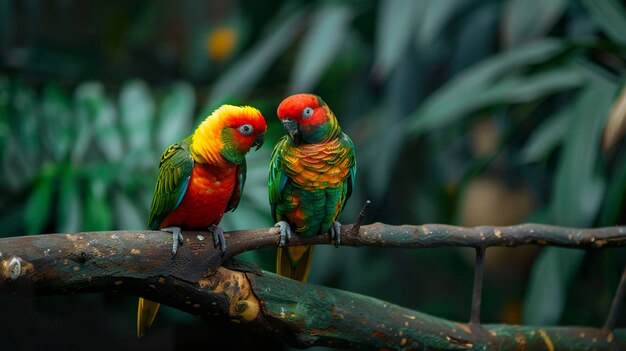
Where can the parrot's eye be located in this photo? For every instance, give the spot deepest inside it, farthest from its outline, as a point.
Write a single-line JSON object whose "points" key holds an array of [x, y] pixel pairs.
{"points": [[307, 112], [245, 129]]}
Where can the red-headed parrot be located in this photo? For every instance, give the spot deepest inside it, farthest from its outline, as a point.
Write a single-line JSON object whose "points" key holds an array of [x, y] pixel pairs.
{"points": [[200, 178], [311, 177]]}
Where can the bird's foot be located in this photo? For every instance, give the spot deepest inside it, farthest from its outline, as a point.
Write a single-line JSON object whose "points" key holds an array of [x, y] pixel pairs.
{"points": [[177, 238], [285, 233], [335, 233], [218, 238]]}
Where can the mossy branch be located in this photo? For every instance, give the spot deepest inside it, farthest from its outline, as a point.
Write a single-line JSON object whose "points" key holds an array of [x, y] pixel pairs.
{"points": [[200, 281]]}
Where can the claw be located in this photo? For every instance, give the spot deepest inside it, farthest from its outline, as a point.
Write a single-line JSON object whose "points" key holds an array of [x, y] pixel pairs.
{"points": [[285, 233], [335, 233], [177, 238], [218, 238]]}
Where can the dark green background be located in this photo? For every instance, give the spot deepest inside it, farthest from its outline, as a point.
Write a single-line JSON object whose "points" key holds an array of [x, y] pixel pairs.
{"points": [[462, 112]]}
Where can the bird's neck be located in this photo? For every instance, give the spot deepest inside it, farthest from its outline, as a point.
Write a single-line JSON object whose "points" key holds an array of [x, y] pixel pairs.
{"points": [[207, 144]]}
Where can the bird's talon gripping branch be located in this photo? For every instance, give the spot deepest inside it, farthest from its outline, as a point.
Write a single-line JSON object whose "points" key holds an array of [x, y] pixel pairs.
{"points": [[177, 238], [285, 233], [335, 233], [218, 238]]}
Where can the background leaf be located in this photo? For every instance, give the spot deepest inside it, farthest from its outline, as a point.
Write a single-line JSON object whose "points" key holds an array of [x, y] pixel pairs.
{"points": [[610, 16], [397, 26], [137, 113], [436, 15], [615, 127], [56, 112], [470, 89], [175, 115], [69, 208], [525, 20], [97, 213], [577, 194], [106, 125], [549, 283], [548, 136], [245, 73], [320, 45], [37, 210], [127, 214]]}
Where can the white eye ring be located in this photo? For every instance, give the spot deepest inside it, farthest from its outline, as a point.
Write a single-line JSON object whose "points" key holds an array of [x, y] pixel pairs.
{"points": [[245, 129], [307, 112]]}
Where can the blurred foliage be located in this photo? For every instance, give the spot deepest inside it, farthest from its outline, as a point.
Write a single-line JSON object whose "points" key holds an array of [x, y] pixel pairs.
{"points": [[462, 111]]}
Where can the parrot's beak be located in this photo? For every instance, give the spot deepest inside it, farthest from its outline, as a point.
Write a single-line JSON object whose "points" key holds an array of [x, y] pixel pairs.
{"points": [[292, 128], [258, 141]]}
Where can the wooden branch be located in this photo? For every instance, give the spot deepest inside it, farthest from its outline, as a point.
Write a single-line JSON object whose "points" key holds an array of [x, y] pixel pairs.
{"points": [[140, 263]]}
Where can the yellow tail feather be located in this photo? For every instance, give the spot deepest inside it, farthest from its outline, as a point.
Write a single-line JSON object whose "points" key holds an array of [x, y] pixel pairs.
{"points": [[146, 312], [294, 262]]}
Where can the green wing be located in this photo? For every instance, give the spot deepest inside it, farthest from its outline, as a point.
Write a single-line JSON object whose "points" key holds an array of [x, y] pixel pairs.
{"points": [[349, 183], [239, 183], [277, 177], [174, 172]]}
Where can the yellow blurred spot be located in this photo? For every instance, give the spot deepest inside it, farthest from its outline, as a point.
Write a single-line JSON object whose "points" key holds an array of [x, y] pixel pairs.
{"points": [[512, 312], [221, 43], [484, 137], [489, 201]]}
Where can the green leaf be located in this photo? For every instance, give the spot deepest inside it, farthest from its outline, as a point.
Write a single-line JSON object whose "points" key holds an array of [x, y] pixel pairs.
{"points": [[97, 215], [69, 208], [97, 119], [86, 104], [137, 113], [525, 20], [458, 96], [458, 101], [610, 16], [127, 216], [547, 136], [175, 115], [613, 203], [321, 44], [245, 72], [437, 13], [106, 128], [396, 28], [25, 118], [575, 202], [519, 89], [38, 205], [57, 116], [4, 117], [549, 280]]}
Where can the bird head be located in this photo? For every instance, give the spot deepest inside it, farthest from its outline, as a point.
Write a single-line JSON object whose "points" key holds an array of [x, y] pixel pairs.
{"points": [[228, 134], [307, 119]]}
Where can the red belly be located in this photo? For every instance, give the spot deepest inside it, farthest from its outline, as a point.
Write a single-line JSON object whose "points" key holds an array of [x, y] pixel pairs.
{"points": [[205, 200]]}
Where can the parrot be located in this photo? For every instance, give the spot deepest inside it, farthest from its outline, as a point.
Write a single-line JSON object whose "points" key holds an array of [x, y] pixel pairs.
{"points": [[199, 179], [311, 177]]}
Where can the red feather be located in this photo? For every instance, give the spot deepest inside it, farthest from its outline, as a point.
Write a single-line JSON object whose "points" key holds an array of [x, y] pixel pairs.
{"points": [[208, 193]]}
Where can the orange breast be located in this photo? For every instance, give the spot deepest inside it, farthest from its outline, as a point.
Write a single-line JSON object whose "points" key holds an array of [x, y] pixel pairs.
{"points": [[208, 193]]}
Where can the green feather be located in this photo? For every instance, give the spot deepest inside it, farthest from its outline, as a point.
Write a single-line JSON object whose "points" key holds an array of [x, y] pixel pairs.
{"points": [[174, 171], [321, 206]]}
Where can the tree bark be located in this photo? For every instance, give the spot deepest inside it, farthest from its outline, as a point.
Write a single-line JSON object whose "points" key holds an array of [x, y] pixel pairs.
{"points": [[200, 281]]}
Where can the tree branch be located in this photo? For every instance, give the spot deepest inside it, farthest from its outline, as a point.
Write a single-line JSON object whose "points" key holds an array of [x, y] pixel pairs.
{"points": [[139, 263]]}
